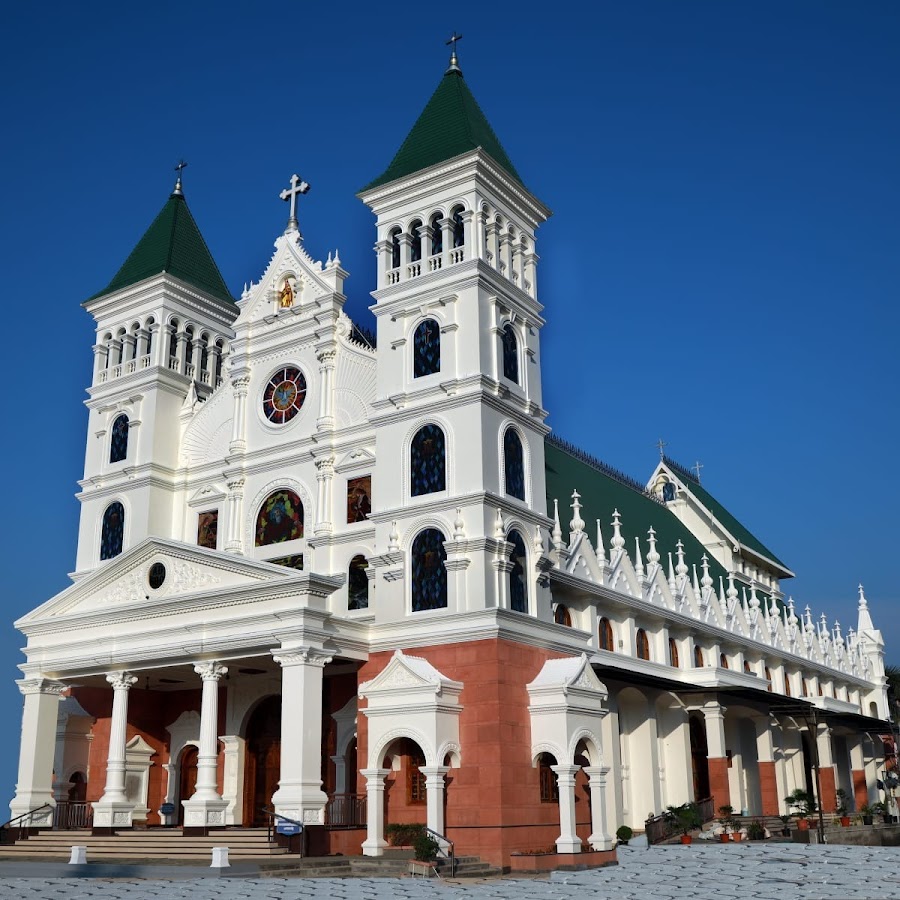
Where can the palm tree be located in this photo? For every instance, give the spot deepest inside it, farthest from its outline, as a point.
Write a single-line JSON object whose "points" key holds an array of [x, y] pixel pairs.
{"points": [[892, 673]]}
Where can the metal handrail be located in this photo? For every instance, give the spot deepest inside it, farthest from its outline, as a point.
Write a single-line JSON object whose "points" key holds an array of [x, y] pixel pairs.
{"points": [[18, 819], [452, 855], [274, 815]]}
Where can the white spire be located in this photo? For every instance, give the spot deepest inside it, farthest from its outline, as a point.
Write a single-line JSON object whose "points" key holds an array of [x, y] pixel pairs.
{"points": [[618, 542], [576, 526], [499, 527], [673, 585], [732, 595], [601, 553], [722, 601], [638, 560], [653, 555], [681, 568], [695, 582], [865, 622], [557, 531]]}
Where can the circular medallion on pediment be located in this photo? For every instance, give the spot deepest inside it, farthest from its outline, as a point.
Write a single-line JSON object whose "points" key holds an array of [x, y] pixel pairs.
{"points": [[284, 395]]}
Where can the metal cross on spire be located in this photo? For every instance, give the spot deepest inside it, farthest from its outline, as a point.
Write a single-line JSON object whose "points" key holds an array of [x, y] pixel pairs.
{"points": [[177, 190], [298, 186], [454, 62], [661, 445], [696, 467]]}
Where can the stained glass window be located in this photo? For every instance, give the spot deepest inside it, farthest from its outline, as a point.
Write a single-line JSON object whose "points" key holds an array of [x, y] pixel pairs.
{"points": [[513, 464], [289, 562], [518, 591], [427, 461], [668, 491], [426, 349], [359, 498], [562, 616], [358, 584], [284, 395], [118, 445], [429, 575], [112, 535], [510, 353], [208, 529], [437, 235], [280, 519]]}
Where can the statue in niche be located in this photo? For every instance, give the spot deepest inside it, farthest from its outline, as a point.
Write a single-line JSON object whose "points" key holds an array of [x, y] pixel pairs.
{"points": [[286, 297]]}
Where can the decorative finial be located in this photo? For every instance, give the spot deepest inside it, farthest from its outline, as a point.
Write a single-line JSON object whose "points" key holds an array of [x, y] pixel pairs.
{"points": [[653, 555], [706, 580], [673, 585], [618, 542], [576, 526], [863, 603], [556, 535], [393, 538], [696, 467], [298, 186], [661, 446], [459, 526], [681, 567], [499, 527], [638, 561], [177, 192], [454, 62], [599, 549]]}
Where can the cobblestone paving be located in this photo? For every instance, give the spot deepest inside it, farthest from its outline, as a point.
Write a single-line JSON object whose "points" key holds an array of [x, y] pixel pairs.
{"points": [[775, 872]]}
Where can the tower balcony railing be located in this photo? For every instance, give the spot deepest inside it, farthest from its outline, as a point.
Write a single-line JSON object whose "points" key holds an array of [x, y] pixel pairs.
{"points": [[457, 254], [414, 270], [434, 263]]}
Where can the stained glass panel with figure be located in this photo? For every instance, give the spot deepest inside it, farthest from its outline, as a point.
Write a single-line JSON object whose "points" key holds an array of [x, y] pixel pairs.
{"points": [[427, 463], [426, 349], [280, 519], [112, 535], [118, 445], [514, 464], [429, 575]]}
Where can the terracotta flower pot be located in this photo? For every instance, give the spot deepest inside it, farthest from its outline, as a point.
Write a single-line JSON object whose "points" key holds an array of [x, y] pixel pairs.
{"points": [[737, 836], [725, 838], [686, 839], [845, 821], [803, 824]]}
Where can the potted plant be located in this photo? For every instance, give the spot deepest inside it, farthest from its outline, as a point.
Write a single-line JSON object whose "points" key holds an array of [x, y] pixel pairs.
{"points": [[785, 826], [624, 834], [425, 850], [685, 818], [841, 807], [726, 820], [805, 805], [756, 831], [868, 814]]}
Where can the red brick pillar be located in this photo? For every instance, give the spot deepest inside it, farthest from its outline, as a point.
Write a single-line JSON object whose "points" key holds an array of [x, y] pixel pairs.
{"points": [[768, 789], [717, 761], [860, 788], [826, 769], [827, 782], [718, 782]]}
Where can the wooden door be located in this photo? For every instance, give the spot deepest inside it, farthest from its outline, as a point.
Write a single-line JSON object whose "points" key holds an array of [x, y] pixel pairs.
{"points": [[262, 770], [187, 778]]}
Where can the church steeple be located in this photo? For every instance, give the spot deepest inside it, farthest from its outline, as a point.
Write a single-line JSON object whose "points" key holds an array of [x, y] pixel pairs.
{"points": [[451, 124], [173, 244]]}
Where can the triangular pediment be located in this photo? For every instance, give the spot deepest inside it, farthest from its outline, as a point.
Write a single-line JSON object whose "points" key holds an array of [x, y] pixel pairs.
{"points": [[406, 673], [125, 581], [564, 674]]}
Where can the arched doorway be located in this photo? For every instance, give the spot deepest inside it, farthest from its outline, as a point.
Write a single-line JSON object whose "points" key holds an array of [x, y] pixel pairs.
{"points": [[699, 758], [263, 764], [187, 777], [807, 764], [404, 795], [78, 789]]}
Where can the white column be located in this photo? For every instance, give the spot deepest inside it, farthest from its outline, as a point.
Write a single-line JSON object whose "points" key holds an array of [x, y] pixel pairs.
{"points": [[233, 543], [434, 794], [326, 359], [101, 355], [568, 841], [239, 386], [374, 844], [600, 838], [325, 478], [300, 795], [113, 808], [171, 771], [206, 807], [34, 787]]}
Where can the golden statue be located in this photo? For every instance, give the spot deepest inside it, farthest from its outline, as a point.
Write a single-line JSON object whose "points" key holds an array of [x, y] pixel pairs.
{"points": [[286, 298]]}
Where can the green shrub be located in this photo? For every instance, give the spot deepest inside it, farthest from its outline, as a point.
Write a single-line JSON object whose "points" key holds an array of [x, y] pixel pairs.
{"points": [[425, 847], [403, 835], [624, 833]]}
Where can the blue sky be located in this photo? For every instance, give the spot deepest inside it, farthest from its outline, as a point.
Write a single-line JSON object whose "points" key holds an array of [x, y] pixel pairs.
{"points": [[721, 268]]}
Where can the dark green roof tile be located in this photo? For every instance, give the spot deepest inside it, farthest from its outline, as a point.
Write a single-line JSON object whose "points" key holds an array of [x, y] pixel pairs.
{"points": [[451, 124], [172, 244]]}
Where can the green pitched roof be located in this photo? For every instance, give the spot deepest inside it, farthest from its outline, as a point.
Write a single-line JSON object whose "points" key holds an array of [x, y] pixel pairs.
{"points": [[602, 491], [729, 522], [172, 244], [451, 124]]}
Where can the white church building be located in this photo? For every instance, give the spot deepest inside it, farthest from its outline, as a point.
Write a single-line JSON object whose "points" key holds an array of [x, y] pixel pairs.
{"points": [[353, 579]]}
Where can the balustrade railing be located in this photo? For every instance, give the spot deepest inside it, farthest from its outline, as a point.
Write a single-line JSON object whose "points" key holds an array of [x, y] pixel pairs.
{"points": [[458, 255], [393, 276], [346, 811], [414, 270], [73, 814]]}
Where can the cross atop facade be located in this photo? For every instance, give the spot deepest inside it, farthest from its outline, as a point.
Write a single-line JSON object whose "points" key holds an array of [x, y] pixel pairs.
{"points": [[661, 445], [696, 467], [454, 62], [298, 186], [181, 165]]}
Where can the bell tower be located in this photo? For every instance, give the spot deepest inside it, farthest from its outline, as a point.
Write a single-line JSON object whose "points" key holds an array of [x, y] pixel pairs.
{"points": [[163, 327], [458, 414]]}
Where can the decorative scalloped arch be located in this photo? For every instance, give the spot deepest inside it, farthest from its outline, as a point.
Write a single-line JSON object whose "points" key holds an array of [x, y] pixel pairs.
{"points": [[452, 749], [546, 747], [292, 484], [595, 745], [377, 754]]}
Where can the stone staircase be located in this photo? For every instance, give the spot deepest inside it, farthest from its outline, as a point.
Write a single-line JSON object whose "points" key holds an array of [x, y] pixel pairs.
{"points": [[153, 845]]}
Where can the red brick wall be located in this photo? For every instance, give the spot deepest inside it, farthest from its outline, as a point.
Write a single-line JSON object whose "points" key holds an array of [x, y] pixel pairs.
{"points": [[718, 782], [827, 782], [860, 788], [768, 789]]}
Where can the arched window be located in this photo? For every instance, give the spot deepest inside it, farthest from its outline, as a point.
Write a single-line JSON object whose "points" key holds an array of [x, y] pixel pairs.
{"points": [[819, 687], [427, 461], [415, 240], [394, 237], [673, 653], [787, 685], [510, 353], [605, 633], [280, 519], [723, 661], [769, 679], [668, 491], [429, 574], [518, 590], [358, 583], [112, 535], [118, 444], [698, 656], [747, 668], [437, 235], [426, 348], [459, 229], [513, 464], [562, 616], [549, 786], [642, 645], [173, 340], [221, 347]]}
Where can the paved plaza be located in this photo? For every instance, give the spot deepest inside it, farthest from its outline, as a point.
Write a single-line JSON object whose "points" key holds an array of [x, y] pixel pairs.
{"points": [[774, 872]]}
